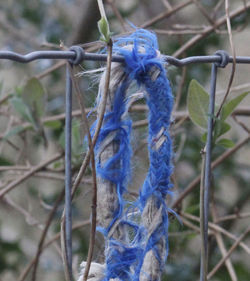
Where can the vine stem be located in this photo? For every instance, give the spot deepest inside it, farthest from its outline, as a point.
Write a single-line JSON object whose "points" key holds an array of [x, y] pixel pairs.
{"points": [[202, 221], [94, 198]]}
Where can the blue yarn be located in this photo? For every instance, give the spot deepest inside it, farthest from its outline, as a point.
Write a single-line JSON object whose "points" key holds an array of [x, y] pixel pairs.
{"points": [[108, 171], [124, 259]]}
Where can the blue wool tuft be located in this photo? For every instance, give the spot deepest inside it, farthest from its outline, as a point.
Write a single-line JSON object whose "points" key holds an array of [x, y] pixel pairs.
{"points": [[117, 168], [143, 64], [140, 52]]}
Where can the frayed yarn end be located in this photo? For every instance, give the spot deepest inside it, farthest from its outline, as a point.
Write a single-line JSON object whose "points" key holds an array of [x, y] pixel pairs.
{"points": [[140, 51]]}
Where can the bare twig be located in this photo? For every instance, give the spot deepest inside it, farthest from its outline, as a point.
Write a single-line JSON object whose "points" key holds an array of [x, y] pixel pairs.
{"points": [[44, 233], [50, 69], [233, 217], [209, 30], [234, 58], [117, 14], [166, 14], [98, 128], [217, 7], [44, 175], [243, 126], [46, 245], [28, 217], [33, 170], [5, 98], [218, 228], [234, 246], [215, 163], [176, 32], [204, 253], [222, 247], [180, 88], [204, 12], [177, 115], [92, 158], [17, 33]]}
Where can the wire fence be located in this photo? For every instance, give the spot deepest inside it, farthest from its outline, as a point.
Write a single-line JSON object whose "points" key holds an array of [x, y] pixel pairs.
{"points": [[74, 56]]}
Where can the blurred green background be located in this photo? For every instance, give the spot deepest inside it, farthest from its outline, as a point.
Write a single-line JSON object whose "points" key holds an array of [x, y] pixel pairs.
{"points": [[32, 130]]}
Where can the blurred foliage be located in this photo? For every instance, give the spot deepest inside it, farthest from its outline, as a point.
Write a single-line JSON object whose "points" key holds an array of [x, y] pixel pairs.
{"points": [[33, 103]]}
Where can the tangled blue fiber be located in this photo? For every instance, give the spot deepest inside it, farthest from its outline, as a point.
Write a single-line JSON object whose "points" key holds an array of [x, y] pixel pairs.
{"points": [[133, 257]]}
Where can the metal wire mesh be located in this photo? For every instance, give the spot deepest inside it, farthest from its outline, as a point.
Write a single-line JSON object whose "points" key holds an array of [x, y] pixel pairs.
{"points": [[76, 55]]}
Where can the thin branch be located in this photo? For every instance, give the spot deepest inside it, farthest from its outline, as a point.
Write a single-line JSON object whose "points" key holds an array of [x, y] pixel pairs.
{"points": [[50, 69], [44, 233], [98, 128], [209, 30], [215, 227], [222, 247], [177, 115], [223, 260], [33, 170], [215, 163], [166, 14], [233, 217], [5, 98], [203, 11], [176, 32], [243, 126], [234, 58], [46, 245], [92, 158], [180, 88], [28, 217], [217, 7], [87, 158], [44, 175], [117, 14], [204, 252]]}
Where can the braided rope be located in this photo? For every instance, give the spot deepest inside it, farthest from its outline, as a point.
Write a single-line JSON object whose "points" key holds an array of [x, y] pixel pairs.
{"points": [[113, 169], [142, 254]]}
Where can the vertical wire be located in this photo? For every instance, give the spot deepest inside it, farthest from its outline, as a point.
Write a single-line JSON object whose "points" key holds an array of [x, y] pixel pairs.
{"points": [[68, 176], [207, 175]]}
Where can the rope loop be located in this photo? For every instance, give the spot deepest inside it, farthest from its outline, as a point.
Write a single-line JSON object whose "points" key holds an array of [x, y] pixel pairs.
{"points": [[135, 232], [224, 58], [79, 54]]}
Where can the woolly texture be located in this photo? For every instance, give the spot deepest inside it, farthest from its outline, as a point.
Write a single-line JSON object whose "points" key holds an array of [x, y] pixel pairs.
{"points": [[136, 236], [145, 65], [113, 168]]}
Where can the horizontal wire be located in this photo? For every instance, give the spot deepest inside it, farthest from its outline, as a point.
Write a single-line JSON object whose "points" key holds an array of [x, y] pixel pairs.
{"points": [[71, 55]]}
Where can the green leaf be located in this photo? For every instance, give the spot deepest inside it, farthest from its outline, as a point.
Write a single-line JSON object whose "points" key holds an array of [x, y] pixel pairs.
{"points": [[53, 124], [226, 143], [57, 165], [225, 127], [15, 131], [197, 104], [220, 128], [23, 110], [229, 107], [103, 27], [204, 137], [33, 95], [5, 162]]}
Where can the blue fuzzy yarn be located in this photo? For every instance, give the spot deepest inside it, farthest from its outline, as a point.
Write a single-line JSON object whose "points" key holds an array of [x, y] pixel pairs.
{"points": [[109, 171], [124, 259]]}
